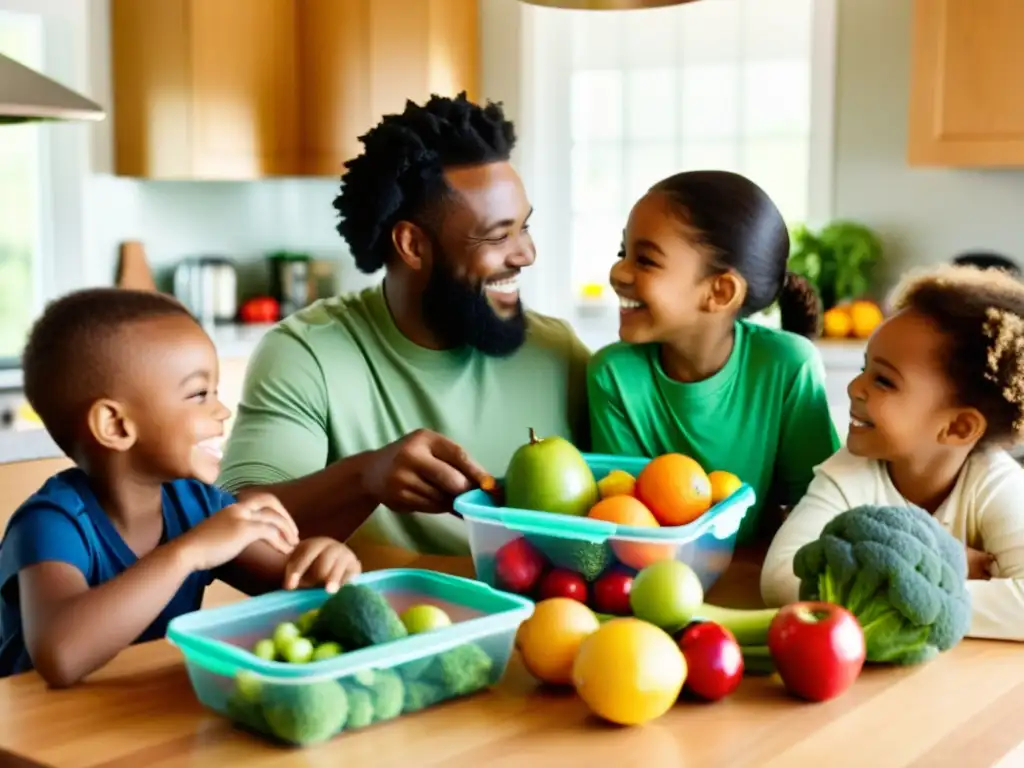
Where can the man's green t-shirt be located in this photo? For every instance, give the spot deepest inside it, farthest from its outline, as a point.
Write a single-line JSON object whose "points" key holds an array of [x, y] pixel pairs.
{"points": [[764, 416], [338, 378]]}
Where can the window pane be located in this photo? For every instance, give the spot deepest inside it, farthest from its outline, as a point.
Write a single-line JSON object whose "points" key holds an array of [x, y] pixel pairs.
{"points": [[21, 38], [595, 246], [777, 28], [781, 168], [597, 39], [710, 101], [647, 163], [652, 103], [596, 104], [597, 177], [652, 37], [710, 156], [777, 97], [710, 32]]}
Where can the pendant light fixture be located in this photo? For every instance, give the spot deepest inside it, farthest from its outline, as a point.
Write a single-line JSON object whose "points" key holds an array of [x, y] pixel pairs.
{"points": [[606, 5]]}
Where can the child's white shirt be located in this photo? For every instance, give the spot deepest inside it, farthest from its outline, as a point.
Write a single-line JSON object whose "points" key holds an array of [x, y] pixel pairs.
{"points": [[985, 510]]}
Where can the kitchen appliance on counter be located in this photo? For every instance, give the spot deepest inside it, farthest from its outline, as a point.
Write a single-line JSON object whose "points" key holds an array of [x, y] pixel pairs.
{"points": [[290, 280], [208, 287]]}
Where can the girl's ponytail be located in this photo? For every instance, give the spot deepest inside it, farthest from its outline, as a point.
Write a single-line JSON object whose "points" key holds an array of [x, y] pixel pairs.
{"points": [[800, 306]]}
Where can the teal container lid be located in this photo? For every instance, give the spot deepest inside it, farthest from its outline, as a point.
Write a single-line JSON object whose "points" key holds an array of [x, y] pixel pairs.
{"points": [[192, 632], [722, 521]]}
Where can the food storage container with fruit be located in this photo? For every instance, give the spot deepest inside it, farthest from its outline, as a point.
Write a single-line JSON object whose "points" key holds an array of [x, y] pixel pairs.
{"points": [[538, 554], [301, 666]]}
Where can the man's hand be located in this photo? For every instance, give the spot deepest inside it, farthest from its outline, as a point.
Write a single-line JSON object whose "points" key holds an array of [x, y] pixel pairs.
{"points": [[422, 472], [979, 564]]}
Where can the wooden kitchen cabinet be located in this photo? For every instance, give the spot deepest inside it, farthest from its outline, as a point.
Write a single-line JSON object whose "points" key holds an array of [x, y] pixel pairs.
{"points": [[362, 59], [246, 89], [204, 89], [967, 93]]}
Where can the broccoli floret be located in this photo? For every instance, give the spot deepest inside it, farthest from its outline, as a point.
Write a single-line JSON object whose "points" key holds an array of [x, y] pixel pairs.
{"points": [[899, 572], [305, 714], [587, 558], [357, 616], [461, 670], [387, 691], [360, 707], [243, 705], [420, 695]]}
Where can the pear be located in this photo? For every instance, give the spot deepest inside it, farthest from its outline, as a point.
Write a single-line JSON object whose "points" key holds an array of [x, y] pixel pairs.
{"points": [[549, 474]]}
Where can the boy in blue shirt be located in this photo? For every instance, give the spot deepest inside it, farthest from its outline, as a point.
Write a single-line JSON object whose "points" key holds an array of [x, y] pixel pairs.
{"points": [[105, 554]]}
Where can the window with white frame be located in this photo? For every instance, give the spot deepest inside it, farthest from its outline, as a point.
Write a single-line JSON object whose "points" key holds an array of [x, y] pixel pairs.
{"points": [[617, 100], [21, 172]]}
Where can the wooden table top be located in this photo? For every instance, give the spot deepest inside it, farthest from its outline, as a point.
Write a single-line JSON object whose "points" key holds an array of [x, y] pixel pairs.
{"points": [[960, 710]]}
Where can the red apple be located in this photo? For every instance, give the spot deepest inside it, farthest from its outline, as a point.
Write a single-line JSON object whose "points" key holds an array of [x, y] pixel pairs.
{"points": [[560, 582], [611, 593], [518, 566], [714, 661], [818, 649]]}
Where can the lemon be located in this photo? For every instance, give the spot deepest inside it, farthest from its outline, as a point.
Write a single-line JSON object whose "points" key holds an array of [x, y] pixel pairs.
{"points": [[618, 482], [723, 485], [629, 672]]}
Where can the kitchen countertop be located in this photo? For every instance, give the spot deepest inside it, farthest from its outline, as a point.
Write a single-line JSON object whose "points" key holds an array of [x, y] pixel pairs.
{"points": [[959, 710]]}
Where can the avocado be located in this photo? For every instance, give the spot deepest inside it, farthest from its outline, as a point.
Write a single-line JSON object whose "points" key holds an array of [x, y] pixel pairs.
{"points": [[357, 616], [550, 475]]}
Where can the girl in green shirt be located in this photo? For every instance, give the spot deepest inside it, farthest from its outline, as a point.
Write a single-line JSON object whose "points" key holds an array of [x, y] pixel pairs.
{"points": [[702, 251]]}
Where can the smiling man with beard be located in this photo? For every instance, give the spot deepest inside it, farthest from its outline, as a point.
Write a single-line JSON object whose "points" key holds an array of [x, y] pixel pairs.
{"points": [[373, 410]]}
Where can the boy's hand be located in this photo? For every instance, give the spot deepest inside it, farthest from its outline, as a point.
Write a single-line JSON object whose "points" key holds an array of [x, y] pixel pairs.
{"points": [[979, 564], [222, 537], [320, 561]]}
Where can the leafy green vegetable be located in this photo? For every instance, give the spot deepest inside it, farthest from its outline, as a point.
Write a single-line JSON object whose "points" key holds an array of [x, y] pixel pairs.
{"points": [[462, 670], [839, 260], [305, 714], [899, 572], [589, 559]]}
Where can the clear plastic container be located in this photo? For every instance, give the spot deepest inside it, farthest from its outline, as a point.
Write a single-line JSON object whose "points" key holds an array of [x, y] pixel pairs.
{"points": [[302, 704], [566, 541]]}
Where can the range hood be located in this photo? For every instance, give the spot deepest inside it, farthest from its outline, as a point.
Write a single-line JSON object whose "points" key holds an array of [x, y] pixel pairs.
{"points": [[27, 96], [606, 5]]}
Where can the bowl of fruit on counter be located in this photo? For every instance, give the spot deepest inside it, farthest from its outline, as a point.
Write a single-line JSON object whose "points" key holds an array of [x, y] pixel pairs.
{"points": [[562, 523]]}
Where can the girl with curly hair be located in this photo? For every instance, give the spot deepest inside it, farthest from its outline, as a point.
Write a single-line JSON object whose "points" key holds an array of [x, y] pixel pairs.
{"points": [[940, 398]]}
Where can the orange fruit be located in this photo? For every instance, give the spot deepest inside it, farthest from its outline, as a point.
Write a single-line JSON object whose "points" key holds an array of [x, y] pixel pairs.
{"points": [[675, 488], [629, 672], [836, 323], [549, 639], [618, 482], [723, 485], [628, 510], [865, 316]]}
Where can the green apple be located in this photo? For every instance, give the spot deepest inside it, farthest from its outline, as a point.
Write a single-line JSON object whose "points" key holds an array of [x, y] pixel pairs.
{"points": [[266, 649], [298, 651], [326, 651], [283, 635], [305, 621], [423, 618], [666, 594]]}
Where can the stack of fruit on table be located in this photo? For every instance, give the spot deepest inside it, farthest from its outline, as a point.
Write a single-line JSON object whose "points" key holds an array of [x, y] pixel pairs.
{"points": [[881, 585], [549, 475]]}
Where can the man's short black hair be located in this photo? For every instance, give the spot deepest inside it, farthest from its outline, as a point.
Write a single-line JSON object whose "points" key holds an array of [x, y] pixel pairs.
{"points": [[71, 355], [401, 170]]}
